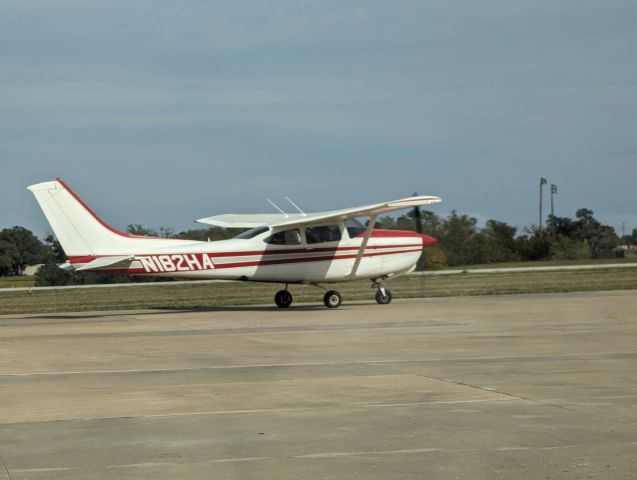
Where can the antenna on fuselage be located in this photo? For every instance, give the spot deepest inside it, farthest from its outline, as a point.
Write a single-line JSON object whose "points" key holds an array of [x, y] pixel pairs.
{"points": [[275, 206], [296, 206]]}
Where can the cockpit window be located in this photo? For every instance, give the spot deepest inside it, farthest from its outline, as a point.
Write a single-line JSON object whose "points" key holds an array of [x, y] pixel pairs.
{"points": [[253, 232], [286, 237], [354, 227], [323, 233]]}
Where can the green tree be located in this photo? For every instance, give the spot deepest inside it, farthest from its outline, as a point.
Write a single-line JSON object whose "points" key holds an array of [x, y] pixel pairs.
{"points": [[212, 234], [500, 244], [52, 275], [386, 223], [435, 258], [19, 248], [57, 253], [137, 229], [8, 254], [166, 232], [460, 240], [596, 235], [533, 245], [564, 248], [562, 226]]}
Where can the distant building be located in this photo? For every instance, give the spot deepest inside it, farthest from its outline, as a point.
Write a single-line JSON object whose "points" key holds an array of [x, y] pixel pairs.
{"points": [[31, 269]]}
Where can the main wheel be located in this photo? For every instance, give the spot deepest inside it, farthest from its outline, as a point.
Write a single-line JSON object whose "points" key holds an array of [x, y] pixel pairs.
{"points": [[383, 299], [332, 299], [283, 299]]}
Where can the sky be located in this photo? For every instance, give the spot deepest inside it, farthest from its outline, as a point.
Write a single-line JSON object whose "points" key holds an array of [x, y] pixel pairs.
{"points": [[159, 112]]}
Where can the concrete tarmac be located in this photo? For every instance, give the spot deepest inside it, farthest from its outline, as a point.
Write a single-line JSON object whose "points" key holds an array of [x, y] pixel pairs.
{"points": [[511, 387]]}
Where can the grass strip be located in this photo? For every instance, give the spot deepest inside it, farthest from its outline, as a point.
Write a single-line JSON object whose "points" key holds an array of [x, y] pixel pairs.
{"points": [[235, 294]]}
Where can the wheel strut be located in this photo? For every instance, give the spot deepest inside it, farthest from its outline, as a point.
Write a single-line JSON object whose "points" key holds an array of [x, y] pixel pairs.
{"points": [[383, 295]]}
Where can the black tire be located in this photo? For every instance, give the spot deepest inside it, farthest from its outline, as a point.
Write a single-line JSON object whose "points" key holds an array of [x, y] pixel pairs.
{"points": [[283, 299], [383, 299], [332, 299]]}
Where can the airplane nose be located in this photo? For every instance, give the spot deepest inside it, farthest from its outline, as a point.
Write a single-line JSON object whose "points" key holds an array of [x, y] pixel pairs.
{"points": [[428, 240]]}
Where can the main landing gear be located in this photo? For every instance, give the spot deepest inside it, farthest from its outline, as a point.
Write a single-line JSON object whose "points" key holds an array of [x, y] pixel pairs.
{"points": [[331, 299], [283, 298]]}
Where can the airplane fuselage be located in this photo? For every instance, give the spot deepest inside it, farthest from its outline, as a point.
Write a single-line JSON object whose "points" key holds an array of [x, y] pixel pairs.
{"points": [[386, 253], [301, 248]]}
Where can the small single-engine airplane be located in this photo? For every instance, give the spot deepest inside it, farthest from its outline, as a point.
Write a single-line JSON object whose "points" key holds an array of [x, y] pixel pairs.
{"points": [[299, 248]]}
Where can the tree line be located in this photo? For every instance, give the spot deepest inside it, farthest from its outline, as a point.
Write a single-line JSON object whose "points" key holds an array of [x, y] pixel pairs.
{"points": [[460, 242]]}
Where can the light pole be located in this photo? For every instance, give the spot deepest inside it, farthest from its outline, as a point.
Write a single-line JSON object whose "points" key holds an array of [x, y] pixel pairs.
{"points": [[553, 193], [542, 183]]}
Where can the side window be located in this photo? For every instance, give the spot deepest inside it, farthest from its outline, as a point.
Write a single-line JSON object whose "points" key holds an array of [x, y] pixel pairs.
{"points": [[324, 233], [286, 237]]}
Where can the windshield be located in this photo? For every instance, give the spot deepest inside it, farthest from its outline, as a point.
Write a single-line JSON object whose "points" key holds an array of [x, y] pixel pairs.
{"points": [[354, 227], [253, 232]]}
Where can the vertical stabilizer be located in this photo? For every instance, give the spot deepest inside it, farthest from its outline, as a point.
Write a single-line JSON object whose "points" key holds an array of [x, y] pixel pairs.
{"points": [[80, 231]]}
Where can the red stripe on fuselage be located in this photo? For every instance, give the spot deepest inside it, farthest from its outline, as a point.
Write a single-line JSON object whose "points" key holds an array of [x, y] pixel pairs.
{"points": [[259, 263], [250, 253]]}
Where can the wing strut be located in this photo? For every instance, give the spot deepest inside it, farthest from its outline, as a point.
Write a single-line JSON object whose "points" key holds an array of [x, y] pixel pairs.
{"points": [[361, 250]]}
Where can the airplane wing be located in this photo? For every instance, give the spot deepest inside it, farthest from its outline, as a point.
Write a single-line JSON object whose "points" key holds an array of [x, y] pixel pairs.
{"points": [[246, 220], [296, 219]]}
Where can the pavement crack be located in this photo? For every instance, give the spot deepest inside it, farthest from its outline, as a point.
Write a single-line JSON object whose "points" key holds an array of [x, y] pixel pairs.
{"points": [[520, 397], [463, 384], [6, 469]]}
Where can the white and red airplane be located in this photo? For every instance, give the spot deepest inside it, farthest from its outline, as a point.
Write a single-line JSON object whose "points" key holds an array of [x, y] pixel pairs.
{"points": [[284, 248]]}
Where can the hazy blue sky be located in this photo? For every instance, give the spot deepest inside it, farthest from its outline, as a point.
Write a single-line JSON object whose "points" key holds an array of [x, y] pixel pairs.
{"points": [[160, 112]]}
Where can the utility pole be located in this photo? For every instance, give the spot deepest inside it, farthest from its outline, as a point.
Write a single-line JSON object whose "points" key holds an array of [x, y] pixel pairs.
{"points": [[553, 193], [542, 183]]}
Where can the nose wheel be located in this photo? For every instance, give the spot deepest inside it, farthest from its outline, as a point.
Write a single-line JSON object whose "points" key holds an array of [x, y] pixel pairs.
{"points": [[383, 296]]}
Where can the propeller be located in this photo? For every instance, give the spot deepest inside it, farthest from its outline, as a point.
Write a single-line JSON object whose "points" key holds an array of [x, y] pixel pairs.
{"points": [[420, 266]]}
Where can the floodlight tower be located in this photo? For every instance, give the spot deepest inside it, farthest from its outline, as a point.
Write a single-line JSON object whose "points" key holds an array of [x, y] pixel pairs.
{"points": [[542, 183], [553, 193]]}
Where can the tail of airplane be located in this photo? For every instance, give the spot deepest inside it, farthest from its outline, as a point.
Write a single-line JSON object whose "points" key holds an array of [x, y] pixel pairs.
{"points": [[81, 232]]}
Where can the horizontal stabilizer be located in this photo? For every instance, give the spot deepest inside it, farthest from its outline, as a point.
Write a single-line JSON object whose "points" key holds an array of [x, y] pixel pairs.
{"points": [[107, 262]]}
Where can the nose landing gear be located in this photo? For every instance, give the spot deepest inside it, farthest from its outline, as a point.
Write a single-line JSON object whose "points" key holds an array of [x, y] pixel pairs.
{"points": [[383, 295]]}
